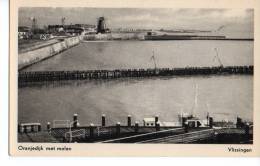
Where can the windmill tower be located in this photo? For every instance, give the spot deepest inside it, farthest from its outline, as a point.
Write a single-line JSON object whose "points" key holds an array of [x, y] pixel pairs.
{"points": [[101, 25]]}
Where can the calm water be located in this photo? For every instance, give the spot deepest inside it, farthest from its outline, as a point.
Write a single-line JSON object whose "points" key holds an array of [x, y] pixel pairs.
{"points": [[133, 54], [226, 96]]}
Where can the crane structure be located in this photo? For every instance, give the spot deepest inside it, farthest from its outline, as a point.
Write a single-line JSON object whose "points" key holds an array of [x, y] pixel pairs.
{"points": [[217, 57], [154, 61], [195, 104], [34, 23], [63, 21]]}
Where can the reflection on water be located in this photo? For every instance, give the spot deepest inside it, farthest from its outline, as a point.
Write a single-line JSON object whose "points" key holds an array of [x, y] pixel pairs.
{"points": [[227, 96]]}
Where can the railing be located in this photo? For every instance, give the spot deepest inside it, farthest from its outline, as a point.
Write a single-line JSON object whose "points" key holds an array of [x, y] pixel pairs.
{"points": [[71, 132], [81, 133], [61, 123]]}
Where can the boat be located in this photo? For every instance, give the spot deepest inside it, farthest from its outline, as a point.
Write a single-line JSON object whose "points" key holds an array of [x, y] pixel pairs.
{"points": [[184, 119]]}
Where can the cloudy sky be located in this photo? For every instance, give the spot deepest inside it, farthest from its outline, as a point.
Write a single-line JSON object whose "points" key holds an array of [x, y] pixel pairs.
{"points": [[204, 19]]}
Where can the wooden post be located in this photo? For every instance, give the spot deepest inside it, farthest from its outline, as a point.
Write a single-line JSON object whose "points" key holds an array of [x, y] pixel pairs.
{"points": [[118, 128], [48, 126], [25, 129], [129, 120], [210, 122], [186, 128], [157, 126], [184, 119], [103, 120], [136, 126], [247, 130], [19, 128], [39, 128], [91, 130], [32, 128], [156, 119], [75, 120], [239, 122]]}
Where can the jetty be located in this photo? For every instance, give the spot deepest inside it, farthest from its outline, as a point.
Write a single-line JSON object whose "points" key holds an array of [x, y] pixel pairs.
{"points": [[35, 76]]}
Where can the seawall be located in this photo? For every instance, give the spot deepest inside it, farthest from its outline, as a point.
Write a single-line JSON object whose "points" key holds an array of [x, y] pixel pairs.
{"points": [[34, 56]]}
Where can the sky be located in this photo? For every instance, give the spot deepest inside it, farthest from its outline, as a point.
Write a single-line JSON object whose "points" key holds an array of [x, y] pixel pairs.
{"points": [[167, 18]]}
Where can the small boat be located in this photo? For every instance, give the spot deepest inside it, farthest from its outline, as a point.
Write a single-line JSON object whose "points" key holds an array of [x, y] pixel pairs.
{"points": [[184, 119]]}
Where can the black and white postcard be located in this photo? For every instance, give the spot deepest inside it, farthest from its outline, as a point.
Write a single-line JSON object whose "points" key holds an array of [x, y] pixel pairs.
{"points": [[134, 79]]}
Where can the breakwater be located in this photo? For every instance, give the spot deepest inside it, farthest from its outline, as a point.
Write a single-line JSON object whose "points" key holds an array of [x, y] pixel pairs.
{"points": [[124, 73], [193, 37], [28, 58]]}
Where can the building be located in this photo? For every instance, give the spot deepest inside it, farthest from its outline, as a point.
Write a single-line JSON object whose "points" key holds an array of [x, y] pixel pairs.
{"points": [[101, 26], [24, 32], [55, 28], [75, 29], [149, 122]]}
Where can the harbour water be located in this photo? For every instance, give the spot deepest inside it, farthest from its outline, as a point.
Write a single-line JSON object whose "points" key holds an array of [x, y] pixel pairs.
{"points": [[137, 54], [224, 97]]}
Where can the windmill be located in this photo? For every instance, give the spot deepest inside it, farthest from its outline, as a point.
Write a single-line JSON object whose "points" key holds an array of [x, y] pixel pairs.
{"points": [[101, 25]]}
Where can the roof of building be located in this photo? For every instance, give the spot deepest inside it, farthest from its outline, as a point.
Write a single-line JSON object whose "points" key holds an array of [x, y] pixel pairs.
{"points": [[149, 119], [23, 29]]}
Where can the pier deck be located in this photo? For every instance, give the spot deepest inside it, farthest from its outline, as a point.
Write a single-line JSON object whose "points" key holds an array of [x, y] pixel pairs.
{"points": [[110, 134]]}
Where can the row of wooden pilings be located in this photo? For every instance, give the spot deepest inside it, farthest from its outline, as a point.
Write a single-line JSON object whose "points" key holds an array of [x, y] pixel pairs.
{"points": [[107, 74], [129, 123], [103, 122], [36, 127]]}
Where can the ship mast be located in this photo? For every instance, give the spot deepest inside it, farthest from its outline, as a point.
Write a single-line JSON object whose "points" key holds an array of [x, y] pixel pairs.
{"points": [[195, 101], [153, 58], [219, 61]]}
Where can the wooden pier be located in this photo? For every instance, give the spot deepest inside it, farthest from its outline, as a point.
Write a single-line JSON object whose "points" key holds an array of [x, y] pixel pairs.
{"points": [[70, 131], [144, 134], [37, 76]]}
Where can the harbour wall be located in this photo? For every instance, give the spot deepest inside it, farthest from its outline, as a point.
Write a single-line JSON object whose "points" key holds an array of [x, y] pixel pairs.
{"points": [[125, 73], [28, 58]]}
